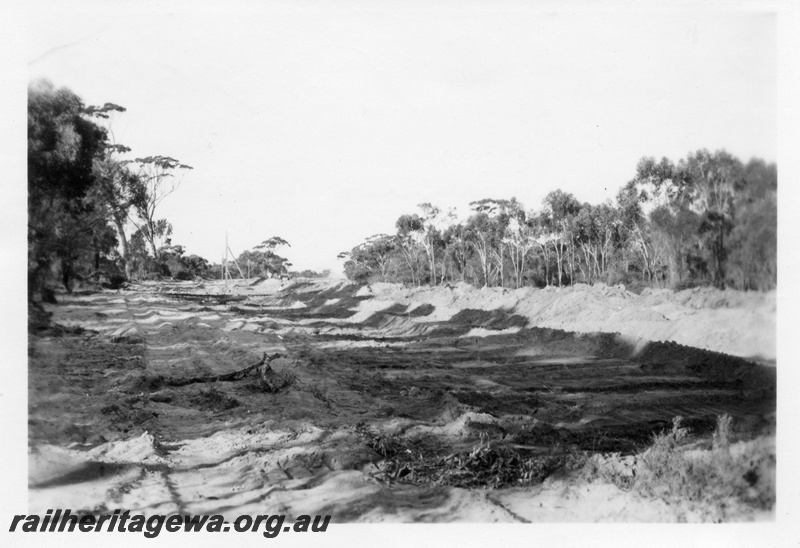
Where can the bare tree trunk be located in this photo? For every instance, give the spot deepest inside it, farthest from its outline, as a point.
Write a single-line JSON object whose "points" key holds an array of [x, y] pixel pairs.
{"points": [[123, 240]]}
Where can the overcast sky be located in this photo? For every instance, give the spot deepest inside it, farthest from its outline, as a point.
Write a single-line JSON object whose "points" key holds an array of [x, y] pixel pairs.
{"points": [[323, 122]]}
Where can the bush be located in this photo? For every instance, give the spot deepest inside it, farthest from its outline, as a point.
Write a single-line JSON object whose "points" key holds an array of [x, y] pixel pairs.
{"points": [[115, 281], [715, 482]]}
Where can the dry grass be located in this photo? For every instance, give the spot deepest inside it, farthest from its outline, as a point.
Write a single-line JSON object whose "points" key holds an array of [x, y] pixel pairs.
{"points": [[720, 483]]}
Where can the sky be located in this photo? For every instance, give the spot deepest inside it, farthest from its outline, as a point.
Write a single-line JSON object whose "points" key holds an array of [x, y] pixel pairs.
{"points": [[324, 122]]}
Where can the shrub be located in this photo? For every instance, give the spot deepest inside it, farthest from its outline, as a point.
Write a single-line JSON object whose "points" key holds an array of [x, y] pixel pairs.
{"points": [[718, 482]]}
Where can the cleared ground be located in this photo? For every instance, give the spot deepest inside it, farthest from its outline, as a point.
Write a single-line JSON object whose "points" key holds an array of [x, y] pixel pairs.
{"points": [[384, 405]]}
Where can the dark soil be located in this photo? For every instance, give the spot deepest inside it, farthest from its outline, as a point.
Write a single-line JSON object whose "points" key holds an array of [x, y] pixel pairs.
{"points": [[547, 393]]}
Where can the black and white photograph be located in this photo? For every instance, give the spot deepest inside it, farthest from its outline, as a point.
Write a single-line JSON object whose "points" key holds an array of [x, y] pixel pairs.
{"points": [[294, 266]]}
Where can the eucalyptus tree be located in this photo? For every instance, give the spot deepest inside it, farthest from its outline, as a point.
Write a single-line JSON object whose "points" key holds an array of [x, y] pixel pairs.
{"points": [[409, 227], [596, 234], [379, 250], [560, 208], [486, 229], [703, 184], [62, 145], [118, 185], [434, 224], [520, 238], [458, 250], [158, 176], [370, 258], [264, 258]]}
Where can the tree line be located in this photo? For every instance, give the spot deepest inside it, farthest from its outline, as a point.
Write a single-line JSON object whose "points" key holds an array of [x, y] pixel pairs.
{"points": [[91, 213], [708, 219]]}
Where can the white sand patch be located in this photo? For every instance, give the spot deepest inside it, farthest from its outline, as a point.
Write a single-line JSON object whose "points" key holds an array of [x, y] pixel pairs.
{"points": [[138, 450], [557, 501], [231, 326], [47, 462], [736, 323], [126, 331], [367, 308], [360, 344], [483, 332]]}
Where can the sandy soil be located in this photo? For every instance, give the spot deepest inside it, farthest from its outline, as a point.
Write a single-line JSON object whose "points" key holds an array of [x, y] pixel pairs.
{"points": [[377, 385]]}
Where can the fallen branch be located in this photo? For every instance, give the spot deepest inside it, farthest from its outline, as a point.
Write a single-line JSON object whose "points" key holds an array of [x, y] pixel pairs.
{"points": [[227, 377]]}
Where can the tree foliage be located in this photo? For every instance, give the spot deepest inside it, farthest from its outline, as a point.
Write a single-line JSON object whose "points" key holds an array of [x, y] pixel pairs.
{"points": [[706, 219], [89, 214], [63, 217], [262, 259]]}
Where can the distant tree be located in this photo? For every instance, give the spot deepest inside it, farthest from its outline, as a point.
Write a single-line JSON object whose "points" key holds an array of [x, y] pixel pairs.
{"points": [[543, 238], [753, 258], [431, 238], [489, 230], [706, 219], [635, 229], [276, 264], [171, 258], [458, 250], [409, 228], [596, 230], [271, 244], [197, 266], [372, 256], [482, 236], [519, 238], [705, 184], [560, 208], [262, 259], [158, 179]]}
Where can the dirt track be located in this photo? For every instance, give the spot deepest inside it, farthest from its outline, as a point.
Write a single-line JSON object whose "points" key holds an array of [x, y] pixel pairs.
{"points": [[376, 385]]}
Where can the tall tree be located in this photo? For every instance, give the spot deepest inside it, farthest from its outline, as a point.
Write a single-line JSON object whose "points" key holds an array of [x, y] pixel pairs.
{"points": [[62, 145], [158, 176], [519, 238], [457, 250], [560, 209], [409, 227], [704, 183], [486, 229], [118, 186]]}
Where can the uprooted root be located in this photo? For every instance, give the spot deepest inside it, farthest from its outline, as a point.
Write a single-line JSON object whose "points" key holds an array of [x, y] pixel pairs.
{"points": [[275, 381], [227, 377]]}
